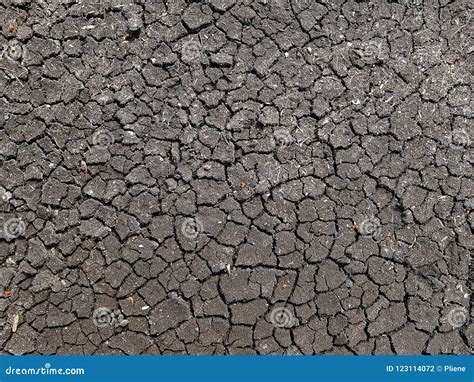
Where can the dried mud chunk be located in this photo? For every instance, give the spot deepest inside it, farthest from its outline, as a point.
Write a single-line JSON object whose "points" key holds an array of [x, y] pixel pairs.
{"points": [[168, 314]]}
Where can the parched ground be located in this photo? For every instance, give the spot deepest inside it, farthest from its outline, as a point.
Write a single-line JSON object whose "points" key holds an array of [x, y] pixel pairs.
{"points": [[236, 177]]}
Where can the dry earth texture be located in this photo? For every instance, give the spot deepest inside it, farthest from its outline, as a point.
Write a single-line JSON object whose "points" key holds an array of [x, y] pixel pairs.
{"points": [[236, 177]]}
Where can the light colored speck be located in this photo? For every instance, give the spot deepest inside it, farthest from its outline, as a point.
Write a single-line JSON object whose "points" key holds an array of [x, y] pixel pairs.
{"points": [[16, 319]]}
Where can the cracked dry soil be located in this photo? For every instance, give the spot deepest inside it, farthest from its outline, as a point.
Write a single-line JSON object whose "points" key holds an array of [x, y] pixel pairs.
{"points": [[236, 177]]}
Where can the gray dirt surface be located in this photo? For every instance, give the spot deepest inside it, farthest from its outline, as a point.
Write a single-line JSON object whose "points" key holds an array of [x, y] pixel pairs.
{"points": [[236, 177]]}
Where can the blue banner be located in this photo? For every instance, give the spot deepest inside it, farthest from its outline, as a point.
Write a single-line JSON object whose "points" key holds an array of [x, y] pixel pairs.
{"points": [[237, 368]]}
